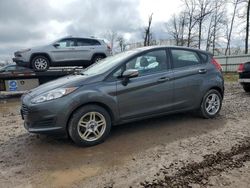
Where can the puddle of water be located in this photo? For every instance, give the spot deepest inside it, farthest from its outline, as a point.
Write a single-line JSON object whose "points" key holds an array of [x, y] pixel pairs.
{"points": [[69, 176]]}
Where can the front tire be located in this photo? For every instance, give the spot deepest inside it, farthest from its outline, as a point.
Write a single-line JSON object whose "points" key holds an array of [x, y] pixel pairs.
{"points": [[40, 63], [90, 125], [211, 104]]}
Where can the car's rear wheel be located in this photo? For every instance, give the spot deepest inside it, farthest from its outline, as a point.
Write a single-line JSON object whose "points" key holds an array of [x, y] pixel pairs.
{"points": [[90, 125], [40, 63], [211, 104], [246, 87], [97, 58]]}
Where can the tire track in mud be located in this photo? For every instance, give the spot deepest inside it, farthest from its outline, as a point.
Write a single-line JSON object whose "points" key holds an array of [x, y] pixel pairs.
{"points": [[199, 173]]}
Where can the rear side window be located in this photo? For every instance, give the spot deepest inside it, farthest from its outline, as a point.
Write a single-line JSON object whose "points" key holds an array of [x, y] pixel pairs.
{"points": [[66, 43], [95, 42], [87, 42], [183, 58]]}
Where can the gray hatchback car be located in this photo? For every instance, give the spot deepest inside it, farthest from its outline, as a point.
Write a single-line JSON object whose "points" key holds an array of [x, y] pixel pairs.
{"points": [[130, 86], [69, 51]]}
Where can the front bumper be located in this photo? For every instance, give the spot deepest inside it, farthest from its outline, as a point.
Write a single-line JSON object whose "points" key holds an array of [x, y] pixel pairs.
{"points": [[46, 118], [20, 62]]}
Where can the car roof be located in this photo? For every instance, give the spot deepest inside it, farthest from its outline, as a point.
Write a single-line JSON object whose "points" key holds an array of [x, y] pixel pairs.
{"points": [[169, 46], [77, 37]]}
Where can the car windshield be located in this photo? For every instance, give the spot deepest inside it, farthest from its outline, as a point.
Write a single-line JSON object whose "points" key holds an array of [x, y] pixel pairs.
{"points": [[106, 64]]}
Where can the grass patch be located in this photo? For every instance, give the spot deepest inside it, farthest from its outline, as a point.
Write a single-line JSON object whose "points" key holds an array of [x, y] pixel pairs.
{"points": [[231, 77]]}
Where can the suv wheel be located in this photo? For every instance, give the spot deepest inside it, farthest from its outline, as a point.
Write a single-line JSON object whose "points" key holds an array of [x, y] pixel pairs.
{"points": [[40, 63], [211, 104], [97, 58], [246, 87], [90, 125]]}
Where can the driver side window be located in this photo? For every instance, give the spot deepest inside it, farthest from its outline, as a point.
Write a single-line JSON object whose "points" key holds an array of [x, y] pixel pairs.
{"points": [[148, 63]]}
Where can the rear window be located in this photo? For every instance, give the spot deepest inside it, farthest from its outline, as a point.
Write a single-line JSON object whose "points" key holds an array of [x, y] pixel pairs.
{"points": [[183, 58], [87, 42], [204, 57]]}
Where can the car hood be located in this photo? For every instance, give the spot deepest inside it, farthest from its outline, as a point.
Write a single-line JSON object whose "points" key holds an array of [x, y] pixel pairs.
{"points": [[67, 81]]}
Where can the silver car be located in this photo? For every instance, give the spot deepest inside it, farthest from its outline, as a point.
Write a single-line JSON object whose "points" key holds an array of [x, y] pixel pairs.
{"points": [[69, 51]]}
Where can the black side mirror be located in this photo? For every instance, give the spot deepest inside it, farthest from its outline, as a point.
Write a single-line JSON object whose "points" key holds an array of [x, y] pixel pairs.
{"points": [[56, 45], [130, 73]]}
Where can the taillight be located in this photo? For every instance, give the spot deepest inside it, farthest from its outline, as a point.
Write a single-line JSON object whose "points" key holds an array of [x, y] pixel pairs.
{"points": [[241, 67], [217, 65]]}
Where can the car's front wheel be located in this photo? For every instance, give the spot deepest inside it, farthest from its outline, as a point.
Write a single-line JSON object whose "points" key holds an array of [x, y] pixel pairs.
{"points": [[90, 125], [211, 104], [40, 63]]}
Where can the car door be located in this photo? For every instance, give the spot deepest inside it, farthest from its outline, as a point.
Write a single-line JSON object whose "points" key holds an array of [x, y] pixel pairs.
{"points": [[189, 71], [84, 48], [149, 93], [64, 53]]}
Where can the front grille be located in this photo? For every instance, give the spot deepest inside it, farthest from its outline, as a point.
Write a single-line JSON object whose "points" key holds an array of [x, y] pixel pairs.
{"points": [[25, 109]]}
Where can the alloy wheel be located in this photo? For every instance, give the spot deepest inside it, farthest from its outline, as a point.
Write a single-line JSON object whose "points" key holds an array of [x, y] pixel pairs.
{"points": [[91, 126], [212, 104], [41, 64]]}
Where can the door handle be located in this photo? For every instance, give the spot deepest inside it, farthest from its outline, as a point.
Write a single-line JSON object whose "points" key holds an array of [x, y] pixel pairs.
{"points": [[163, 79], [202, 71]]}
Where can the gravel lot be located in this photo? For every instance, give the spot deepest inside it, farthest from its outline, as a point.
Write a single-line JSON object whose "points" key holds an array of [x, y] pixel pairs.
{"points": [[172, 151]]}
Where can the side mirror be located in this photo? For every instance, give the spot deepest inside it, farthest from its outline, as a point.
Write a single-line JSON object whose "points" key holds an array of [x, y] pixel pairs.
{"points": [[56, 45], [130, 73]]}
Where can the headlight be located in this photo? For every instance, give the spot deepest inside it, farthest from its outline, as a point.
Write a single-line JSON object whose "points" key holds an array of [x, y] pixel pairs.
{"points": [[54, 94]]}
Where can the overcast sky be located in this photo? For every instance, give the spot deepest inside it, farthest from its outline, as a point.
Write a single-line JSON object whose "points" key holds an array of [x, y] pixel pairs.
{"points": [[27, 23]]}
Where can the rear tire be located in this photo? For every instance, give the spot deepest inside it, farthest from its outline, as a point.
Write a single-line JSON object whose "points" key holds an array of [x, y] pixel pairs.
{"points": [[89, 126], [40, 63], [211, 104], [246, 87]]}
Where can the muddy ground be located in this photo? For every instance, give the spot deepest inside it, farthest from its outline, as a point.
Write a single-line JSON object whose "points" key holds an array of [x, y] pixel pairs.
{"points": [[172, 151]]}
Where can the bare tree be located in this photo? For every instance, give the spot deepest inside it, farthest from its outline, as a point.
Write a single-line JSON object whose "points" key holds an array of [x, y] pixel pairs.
{"points": [[176, 28], [190, 8], [219, 21], [111, 37], [247, 27], [147, 31], [209, 33], [230, 29], [203, 10], [122, 43]]}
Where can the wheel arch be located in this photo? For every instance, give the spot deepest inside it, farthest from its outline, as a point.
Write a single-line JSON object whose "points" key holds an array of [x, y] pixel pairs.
{"points": [[40, 54], [217, 88], [221, 91], [98, 54], [106, 107]]}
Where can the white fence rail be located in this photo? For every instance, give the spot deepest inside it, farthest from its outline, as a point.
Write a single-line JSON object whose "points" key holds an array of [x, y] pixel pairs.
{"points": [[231, 63]]}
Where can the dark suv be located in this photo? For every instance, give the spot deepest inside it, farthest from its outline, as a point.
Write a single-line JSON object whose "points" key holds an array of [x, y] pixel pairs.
{"points": [[130, 86]]}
